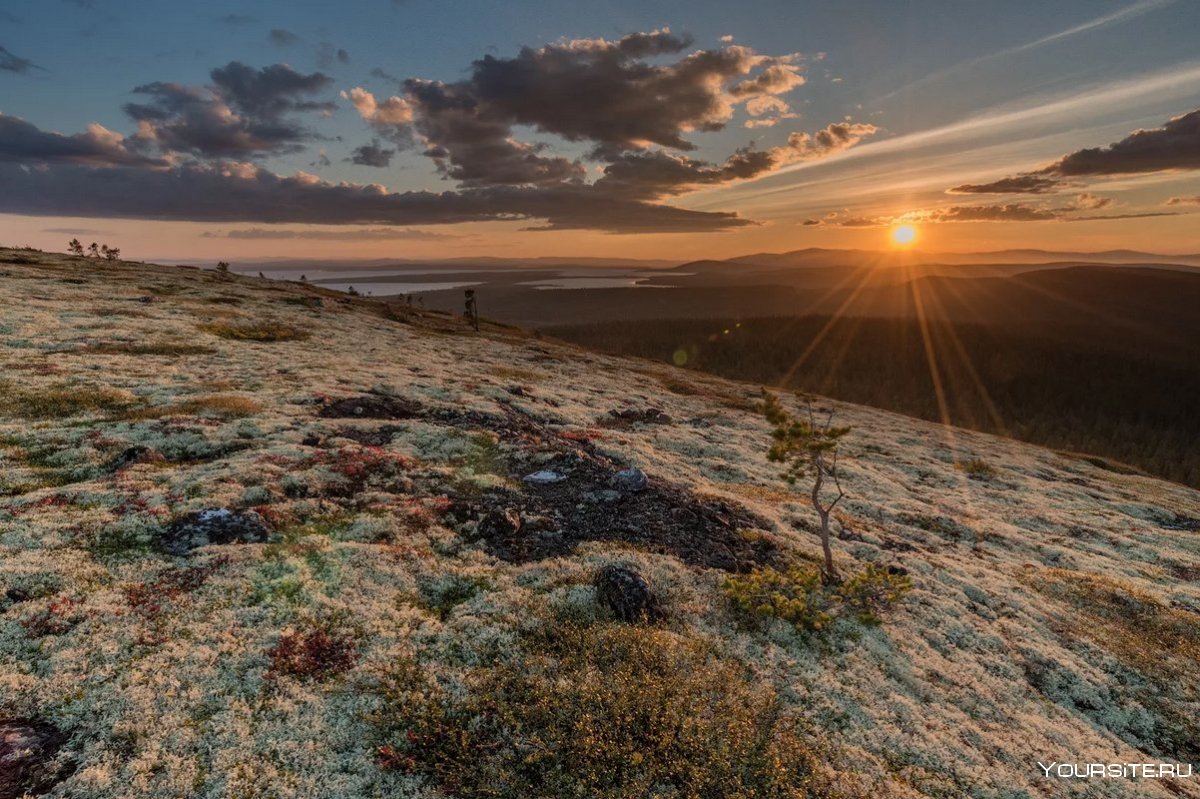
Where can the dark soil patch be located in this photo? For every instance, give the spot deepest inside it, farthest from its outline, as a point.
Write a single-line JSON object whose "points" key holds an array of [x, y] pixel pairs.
{"points": [[371, 406], [377, 437], [589, 504], [213, 526], [29, 762]]}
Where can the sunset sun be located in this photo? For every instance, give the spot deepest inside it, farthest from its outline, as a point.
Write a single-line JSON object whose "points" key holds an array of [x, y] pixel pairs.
{"points": [[904, 235]]}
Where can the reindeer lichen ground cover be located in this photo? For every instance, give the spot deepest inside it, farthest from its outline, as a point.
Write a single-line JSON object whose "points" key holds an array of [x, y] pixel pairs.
{"points": [[421, 620]]}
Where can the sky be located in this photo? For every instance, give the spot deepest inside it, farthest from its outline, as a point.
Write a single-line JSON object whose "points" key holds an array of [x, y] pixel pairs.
{"points": [[677, 130]]}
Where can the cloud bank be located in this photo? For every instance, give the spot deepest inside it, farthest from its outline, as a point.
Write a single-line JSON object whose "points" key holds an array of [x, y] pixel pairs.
{"points": [[624, 110]]}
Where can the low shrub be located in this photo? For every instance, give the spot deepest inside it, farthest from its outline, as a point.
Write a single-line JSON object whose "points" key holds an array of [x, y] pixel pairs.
{"points": [[60, 401], [794, 595], [797, 595], [315, 653], [978, 469], [604, 710], [873, 591]]}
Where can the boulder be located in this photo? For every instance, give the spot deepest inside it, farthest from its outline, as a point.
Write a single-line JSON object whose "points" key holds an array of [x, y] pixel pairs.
{"points": [[631, 479], [214, 526], [544, 477], [29, 762], [628, 594]]}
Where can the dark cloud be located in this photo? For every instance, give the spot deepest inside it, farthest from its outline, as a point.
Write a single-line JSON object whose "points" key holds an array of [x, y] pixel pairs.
{"points": [[235, 192], [633, 102], [270, 234], [655, 173], [281, 37], [383, 74], [270, 91], [10, 62], [1021, 184], [475, 149], [601, 92], [1175, 145], [328, 55], [372, 155], [1183, 201], [243, 113], [24, 143]]}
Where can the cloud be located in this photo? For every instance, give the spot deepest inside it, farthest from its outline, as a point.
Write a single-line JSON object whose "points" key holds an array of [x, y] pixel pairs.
{"points": [[237, 19], [1174, 146], [243, 113], [242, 192], [359, 234], [1091, 202], [328, 54], [633, 103], [655, 173], [9, 62], [371, 155], [1021, 184], [281, 37], [1142, 215], [1009, 212], [76, 231], [1183, 201], [24, 143]]}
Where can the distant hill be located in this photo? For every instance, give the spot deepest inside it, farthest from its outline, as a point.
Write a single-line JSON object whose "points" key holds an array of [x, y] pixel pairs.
{"points": [[822, 257]]}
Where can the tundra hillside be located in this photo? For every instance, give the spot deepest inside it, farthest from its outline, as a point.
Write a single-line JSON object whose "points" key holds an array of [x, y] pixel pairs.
{"points": [[260, 539]]}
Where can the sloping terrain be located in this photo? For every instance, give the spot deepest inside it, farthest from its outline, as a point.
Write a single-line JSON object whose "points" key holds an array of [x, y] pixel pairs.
{"points": [[260, 539]]}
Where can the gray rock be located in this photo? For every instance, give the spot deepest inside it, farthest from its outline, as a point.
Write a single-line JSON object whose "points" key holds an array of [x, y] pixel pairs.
{"points": [[631, 479], [544, 477], [628, 594], [214, 526], [29, 762]]}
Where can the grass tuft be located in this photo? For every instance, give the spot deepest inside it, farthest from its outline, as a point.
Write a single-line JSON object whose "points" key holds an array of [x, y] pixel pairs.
{"points": [[261, 332]]}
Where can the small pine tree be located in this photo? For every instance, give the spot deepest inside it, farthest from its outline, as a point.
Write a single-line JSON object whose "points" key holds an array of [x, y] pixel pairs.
{"points": [[112, 253], [352, 292], [809, 448], [75, 247], [223, 267], [94, 250]]}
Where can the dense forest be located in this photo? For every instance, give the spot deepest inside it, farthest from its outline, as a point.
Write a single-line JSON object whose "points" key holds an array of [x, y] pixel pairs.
{"points": [[1087, 389]]}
